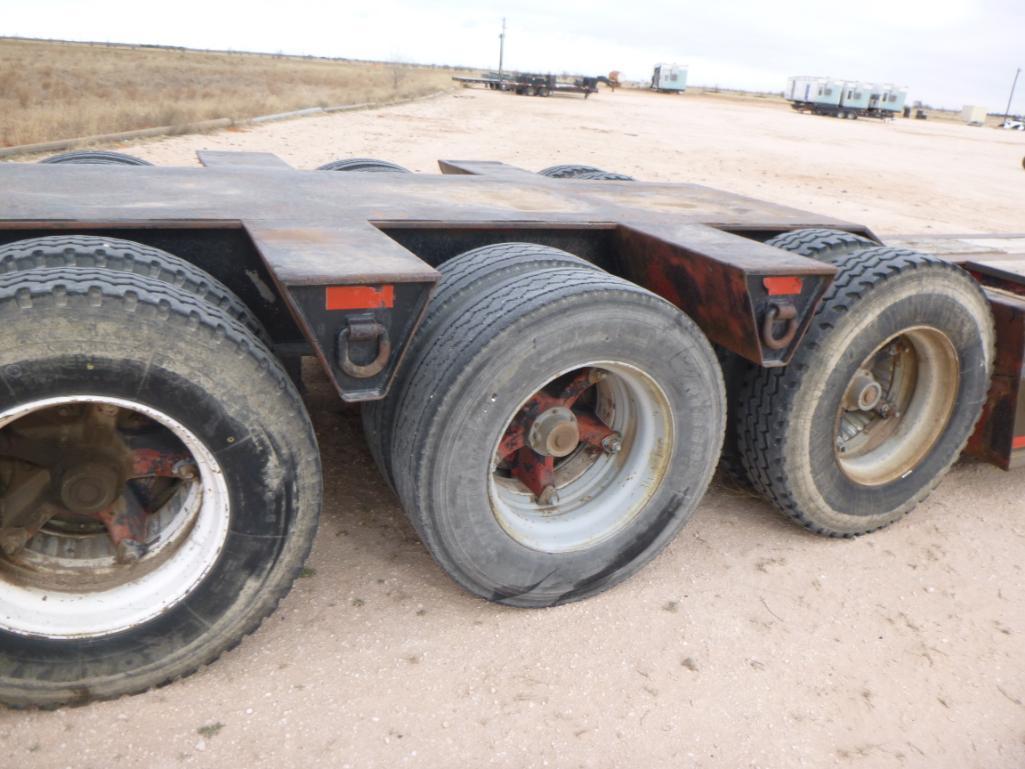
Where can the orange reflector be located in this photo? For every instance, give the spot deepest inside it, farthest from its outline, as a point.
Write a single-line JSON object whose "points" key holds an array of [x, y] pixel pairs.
{"points": [[1018, 442], [782, 285], [359, 297]]}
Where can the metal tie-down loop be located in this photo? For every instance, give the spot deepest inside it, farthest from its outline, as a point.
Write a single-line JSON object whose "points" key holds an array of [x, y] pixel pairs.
{"points": [[361, 330], [779, 311]]}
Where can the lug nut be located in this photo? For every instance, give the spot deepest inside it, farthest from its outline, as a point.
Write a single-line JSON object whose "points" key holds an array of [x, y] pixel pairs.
{"points": [[184, 469], [612, 444], [13, 540], [129, 551], [548, 496]]}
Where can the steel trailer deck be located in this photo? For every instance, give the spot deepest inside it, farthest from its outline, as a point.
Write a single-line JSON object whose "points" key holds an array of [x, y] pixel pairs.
{"points": [[351, 253]]}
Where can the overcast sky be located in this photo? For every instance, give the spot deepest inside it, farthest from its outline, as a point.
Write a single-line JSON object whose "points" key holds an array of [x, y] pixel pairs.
{"points": [[948, 52]]}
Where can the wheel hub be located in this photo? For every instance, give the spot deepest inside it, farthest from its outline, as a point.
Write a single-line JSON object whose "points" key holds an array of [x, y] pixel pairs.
{"points": [[863, 393], [555, 433], [74, 469], [550, 426], [895, 406], [580, 457], [75, 563], [90, 487]]}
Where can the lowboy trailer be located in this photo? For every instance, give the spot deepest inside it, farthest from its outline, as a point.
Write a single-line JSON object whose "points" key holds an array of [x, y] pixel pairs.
{"points": [[550, 366]]}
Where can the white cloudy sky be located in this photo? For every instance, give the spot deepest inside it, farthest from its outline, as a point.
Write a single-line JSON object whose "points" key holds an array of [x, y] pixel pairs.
{"points": [[949, 52]]}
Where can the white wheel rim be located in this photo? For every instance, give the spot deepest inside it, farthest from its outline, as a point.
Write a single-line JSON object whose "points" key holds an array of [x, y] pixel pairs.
{"points": [[922, 384], [191, 534], [598, 496]]}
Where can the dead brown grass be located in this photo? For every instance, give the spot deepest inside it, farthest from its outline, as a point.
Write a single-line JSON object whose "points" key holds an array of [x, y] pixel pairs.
{"points": [[51, 91]]}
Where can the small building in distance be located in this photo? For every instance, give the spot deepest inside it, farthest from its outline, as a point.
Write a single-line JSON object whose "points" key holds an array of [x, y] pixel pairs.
{"points": [[973, 114]]}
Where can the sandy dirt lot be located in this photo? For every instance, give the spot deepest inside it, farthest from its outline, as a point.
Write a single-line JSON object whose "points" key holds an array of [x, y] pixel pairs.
{"points": [[748, 643]]}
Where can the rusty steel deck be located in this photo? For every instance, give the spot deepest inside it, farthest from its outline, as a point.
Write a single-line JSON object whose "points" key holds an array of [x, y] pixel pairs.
{"points": [[682, 241]]}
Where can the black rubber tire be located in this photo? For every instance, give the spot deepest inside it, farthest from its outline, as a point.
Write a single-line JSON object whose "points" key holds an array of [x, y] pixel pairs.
{"points": [[97, 157], [825, 245], [605, 176], [463, 391], [364, 165], [569, 171], [462, 278], [127, 256], [147, 342], [786, 424], [734, 372]]}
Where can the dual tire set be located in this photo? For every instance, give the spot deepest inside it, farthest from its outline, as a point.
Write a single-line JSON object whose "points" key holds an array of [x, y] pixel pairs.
{"points": [[880, 398]]}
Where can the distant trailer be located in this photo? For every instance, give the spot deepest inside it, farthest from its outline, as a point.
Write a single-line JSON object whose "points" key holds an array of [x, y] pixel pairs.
{"points": [[533, 84], [844, 98], [887, 100], [819, 95], [494, 83], [669, 78]]}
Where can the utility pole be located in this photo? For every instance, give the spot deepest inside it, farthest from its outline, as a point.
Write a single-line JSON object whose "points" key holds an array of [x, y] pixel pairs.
{"points": [[501, 52], [1007, 112]]}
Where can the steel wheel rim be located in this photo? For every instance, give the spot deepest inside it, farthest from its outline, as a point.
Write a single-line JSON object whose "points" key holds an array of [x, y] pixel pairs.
{"points": [[918, 373], [600, 493], [186, 536]]}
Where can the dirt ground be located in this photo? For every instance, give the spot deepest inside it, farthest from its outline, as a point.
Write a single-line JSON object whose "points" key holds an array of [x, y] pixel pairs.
{"points": [[748, 643]]}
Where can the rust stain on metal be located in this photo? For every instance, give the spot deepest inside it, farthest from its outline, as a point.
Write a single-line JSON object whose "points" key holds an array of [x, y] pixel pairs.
{"points": [[1003, 416]]}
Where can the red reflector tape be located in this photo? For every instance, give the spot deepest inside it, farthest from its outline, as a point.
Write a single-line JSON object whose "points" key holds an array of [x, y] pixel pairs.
{"points": [[359, 297], [1018, 442], [782, 285]]}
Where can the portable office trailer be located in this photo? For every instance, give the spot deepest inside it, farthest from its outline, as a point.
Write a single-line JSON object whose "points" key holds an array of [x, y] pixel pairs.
{"points": [[855, 96], [892, 98], [669, 77], [801, 88], [844, 98], [827, 93]]}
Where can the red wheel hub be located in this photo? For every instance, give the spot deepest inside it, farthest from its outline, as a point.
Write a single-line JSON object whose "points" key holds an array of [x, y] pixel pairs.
{"points": [[551, 426]]}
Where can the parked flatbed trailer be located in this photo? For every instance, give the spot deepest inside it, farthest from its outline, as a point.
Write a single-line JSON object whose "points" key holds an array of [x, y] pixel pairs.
{"points": [[550, 366], [529, 84]]}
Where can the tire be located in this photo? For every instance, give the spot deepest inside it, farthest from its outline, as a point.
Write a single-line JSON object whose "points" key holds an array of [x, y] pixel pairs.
{"points": [[462, 278], [825, 245], [605, 176], [97, 157], [568, 171], [734, 371], [364, 165], [492, 535], [166, 367], [91, 251], [831, 460]]}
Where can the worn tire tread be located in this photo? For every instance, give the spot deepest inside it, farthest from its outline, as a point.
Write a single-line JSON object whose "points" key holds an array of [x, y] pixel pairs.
{"points": [[22, 290]]}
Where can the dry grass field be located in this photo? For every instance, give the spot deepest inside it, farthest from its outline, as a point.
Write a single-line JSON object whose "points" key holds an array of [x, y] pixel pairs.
{"points": [[51, 90]]}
